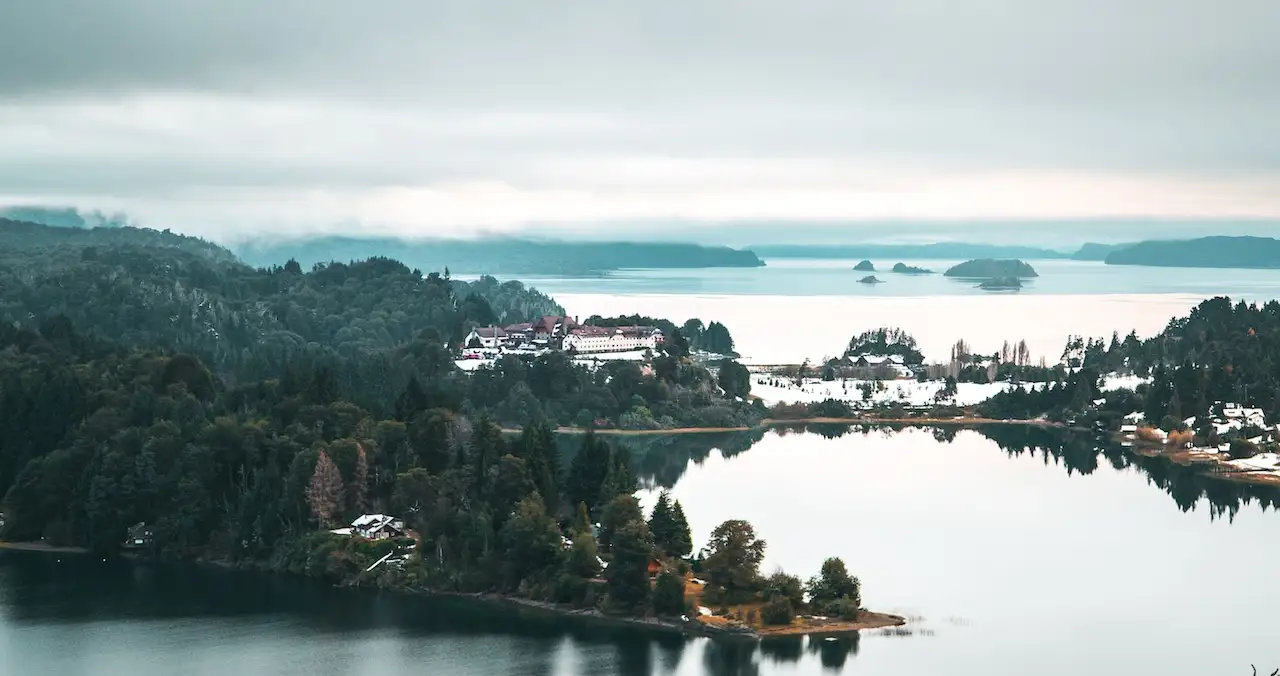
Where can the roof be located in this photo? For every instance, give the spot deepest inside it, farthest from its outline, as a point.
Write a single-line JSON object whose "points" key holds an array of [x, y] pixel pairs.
{"points": [[373, 521], [490, 332], [879, 359]]}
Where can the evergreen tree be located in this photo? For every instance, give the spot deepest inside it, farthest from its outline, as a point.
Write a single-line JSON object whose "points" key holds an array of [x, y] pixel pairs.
{"points": [[620, 511], [681, 542], [628, 572], [581, 521], [537, 447], [530, 541], [587, 472], [668, 595], [662, 524], [619, 480]]}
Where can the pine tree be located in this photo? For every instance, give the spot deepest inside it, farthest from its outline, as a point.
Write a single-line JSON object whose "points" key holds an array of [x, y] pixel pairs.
{"points": [[682, 539], [581, 522], [661, 523], [325, 490], [587, 472], [619, 480], [538, 448]]}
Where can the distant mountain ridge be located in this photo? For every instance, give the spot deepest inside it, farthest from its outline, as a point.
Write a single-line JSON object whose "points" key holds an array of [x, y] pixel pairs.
{"points": [[935, 250], [1202, 252], [502, 255]]}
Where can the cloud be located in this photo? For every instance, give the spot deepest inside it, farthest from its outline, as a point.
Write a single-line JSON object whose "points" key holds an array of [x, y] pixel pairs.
{"points": [[228, 116]]}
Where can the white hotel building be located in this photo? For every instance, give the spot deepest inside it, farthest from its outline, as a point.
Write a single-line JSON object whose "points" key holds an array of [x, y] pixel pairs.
{"points": [[597, 339]]}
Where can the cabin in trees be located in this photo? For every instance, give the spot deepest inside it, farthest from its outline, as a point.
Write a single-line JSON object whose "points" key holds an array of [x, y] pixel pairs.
{"points": [[882, 367], [374, 527], [139, 536]]}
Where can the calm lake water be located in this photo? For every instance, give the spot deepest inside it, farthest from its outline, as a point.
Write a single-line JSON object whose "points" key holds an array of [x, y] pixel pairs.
{"points": [[796, 309], [1026, 553]]}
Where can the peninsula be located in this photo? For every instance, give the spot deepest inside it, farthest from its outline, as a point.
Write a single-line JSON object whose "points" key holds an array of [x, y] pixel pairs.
{"points": [[991, 268]]}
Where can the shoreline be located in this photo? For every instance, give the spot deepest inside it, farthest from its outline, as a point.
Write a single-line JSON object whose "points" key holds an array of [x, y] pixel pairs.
{"points": [[768, 423], [41, 547], [693, 627]]}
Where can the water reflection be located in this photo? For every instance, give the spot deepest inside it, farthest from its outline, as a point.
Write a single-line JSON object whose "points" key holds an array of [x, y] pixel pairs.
{"points": [[660, 461]]}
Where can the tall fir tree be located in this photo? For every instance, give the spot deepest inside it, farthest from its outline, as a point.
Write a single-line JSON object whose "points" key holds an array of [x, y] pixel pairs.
{"points": [[682, 537], [587, 472], [661, 524]]}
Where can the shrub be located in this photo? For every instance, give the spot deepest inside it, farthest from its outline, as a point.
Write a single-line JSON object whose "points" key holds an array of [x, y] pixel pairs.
{"points": [[777, 612], [844, 608], [1181, 439], [1242, 448]]}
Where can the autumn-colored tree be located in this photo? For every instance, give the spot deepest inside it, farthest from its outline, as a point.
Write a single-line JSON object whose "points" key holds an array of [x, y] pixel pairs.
{"points": [[324, 493]]}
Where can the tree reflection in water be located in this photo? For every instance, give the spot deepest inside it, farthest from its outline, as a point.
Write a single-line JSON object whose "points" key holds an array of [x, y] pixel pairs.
{"points": [[661, 460]]}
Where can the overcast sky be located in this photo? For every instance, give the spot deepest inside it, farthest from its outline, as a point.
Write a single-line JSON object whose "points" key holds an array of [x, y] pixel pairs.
{"points": [[235, 117]]}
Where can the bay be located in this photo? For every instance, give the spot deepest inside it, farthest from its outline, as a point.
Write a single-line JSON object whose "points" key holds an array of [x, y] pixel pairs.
{"points": [[1013, 550], [791, 310]]}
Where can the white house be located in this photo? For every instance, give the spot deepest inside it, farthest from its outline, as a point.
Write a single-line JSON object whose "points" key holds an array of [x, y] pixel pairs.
{"points": [[374, 527], [598, 339], [1245, 417]]}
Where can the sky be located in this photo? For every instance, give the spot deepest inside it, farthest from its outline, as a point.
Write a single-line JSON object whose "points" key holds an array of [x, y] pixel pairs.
{"points": [[235, 118]]}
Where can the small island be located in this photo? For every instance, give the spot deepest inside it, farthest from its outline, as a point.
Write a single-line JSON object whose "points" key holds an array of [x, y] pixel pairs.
{"points": [[870, 279], [865, 266], [1001, 284], [992, 268], [904, 269]]}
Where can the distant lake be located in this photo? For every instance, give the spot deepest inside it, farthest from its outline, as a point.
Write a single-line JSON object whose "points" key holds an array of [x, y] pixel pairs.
{"points": [[1020, 552], [796, 309]]}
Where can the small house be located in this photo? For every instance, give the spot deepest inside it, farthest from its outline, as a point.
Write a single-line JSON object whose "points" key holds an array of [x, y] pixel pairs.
{"points": [[139, 536], [655, 567], [374, 527]]}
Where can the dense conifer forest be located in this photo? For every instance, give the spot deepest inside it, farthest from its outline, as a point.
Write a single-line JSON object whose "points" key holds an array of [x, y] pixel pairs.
{"points": [[242, 412]]}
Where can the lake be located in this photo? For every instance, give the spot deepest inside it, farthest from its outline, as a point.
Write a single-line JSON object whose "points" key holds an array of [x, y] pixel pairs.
{"points": [[1013, 550], [796, 309]]}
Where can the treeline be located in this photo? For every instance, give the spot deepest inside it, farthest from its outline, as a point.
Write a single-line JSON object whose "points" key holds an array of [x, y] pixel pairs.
{"points": [[1220, 352]]}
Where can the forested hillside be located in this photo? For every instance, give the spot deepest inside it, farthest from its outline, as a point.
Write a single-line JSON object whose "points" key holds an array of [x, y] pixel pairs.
{"points": [[240, 412]]}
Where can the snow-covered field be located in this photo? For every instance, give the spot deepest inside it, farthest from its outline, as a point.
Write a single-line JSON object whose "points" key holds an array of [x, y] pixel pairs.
{"points": [[908, 392]]}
